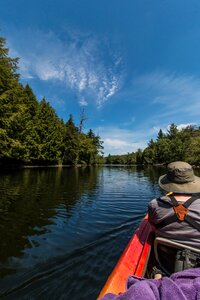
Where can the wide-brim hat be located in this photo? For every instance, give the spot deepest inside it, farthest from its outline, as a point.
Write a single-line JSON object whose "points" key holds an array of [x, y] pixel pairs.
{"points": [[180, 178]]}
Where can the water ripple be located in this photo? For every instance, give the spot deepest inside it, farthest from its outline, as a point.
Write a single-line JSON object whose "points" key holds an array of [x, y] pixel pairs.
{"points": [[64, 229]]}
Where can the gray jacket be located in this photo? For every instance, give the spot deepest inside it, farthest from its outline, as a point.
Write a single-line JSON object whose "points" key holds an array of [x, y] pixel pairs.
{"points": [[180, 232]]}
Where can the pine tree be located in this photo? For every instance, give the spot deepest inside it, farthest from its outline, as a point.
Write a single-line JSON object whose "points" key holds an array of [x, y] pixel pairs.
{"points": [[160, 135], [11, 106], [30, 131], [71, 143]]}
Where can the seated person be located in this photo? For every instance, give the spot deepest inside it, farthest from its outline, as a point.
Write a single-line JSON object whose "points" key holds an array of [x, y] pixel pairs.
{"points": [[176, 216]]}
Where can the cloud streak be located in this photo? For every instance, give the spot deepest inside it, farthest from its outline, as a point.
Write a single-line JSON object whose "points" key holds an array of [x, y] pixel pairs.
{"points": [[120, 141], [80, 61], [172, 92]]}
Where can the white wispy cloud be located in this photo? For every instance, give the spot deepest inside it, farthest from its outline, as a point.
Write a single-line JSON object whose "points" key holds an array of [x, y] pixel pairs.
{"points": [[182, 126], [80, 61], [173, 93], [117, 143], [83, 101], [129, 122], [121, 141], [166, 128]]}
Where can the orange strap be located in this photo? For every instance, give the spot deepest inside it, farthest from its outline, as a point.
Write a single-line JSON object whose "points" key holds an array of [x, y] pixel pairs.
{"points": [[181, 211]]}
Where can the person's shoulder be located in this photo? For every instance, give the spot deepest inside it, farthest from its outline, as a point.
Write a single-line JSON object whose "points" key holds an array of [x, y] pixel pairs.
{"points": [[196, 202], [164, 199], [155, 202]]}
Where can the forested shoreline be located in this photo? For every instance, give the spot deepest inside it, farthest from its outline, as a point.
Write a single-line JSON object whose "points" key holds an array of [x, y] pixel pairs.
{"points": [[177, 144], [31, 133]]}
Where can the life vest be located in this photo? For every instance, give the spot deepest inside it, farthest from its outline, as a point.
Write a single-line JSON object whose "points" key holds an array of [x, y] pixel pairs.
{"points": [[180, 212]]}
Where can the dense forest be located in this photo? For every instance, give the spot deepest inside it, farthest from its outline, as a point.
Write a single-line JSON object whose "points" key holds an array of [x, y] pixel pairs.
{"points": [[30, 130], [174, 145], [32, 133]]}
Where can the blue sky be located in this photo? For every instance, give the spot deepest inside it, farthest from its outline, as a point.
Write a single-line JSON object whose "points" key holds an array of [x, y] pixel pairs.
{"points": [[134, 66]]}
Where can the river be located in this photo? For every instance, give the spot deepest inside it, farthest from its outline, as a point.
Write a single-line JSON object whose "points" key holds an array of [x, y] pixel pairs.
{"points": [[62, 230]]}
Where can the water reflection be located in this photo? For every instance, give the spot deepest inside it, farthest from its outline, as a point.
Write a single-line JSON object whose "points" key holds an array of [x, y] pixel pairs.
{"points": [[30, 202], [62, 230], [151, 172]]}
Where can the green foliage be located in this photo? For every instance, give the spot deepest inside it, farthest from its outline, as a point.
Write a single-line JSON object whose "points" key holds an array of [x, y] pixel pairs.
{"points": [[12, 108], [193, 151], [71, 143], [44, 135], [160, 135], [175, 145], [31, 132], [126, 159], [172, 131], [139, 157]]}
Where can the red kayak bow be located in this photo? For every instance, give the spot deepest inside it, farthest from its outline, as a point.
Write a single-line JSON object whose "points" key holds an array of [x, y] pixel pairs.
{"points": [[133, 260]]}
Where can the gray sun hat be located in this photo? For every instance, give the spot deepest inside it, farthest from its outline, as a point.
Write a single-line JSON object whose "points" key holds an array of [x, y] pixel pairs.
{"points": [[180, 179]]}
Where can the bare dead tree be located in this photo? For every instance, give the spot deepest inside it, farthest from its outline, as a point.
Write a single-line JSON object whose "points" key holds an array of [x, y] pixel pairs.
{"points": [[82, 119]]}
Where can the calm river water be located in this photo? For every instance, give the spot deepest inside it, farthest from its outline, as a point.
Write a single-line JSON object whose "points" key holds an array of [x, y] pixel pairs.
{"points": [[62, 230]]}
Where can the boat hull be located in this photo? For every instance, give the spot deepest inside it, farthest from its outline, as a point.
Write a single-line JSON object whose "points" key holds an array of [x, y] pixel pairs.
{"points": [[133, 260]]}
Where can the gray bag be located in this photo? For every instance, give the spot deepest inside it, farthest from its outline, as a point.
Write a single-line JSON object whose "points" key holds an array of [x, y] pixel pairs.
{"points": [[186, 259]]}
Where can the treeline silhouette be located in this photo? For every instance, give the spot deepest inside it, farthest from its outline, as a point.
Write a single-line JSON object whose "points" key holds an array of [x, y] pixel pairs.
{"points": [[183, 144]]}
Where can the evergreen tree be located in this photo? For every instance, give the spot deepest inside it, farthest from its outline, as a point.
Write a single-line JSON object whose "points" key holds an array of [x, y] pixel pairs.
{"points": [[31, 132], [11, 106], [96, 146], [71, 143], [193, 151], [108, 159], [87, 150], [31, 101], [160, 135], [172, 131], [49, 133], [139, 157]]}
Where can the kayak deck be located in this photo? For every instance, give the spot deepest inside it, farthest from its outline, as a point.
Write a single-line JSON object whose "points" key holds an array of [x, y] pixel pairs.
{"points": [[133, 260]]}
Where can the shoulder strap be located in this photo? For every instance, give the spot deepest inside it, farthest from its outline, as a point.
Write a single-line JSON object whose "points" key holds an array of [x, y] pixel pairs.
{"points": [[180, 213], [192, 222], [190, 201], [187, 203], [174, 202], [171, 219], [166, 221]]}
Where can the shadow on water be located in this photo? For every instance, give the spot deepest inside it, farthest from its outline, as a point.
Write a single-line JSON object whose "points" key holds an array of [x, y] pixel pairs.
{"points": [[30, 199], [62, 230], [65, 273]]}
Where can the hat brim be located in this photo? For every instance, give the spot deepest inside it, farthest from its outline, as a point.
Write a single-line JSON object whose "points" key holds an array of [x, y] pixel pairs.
{"points": [[187, 188]]}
